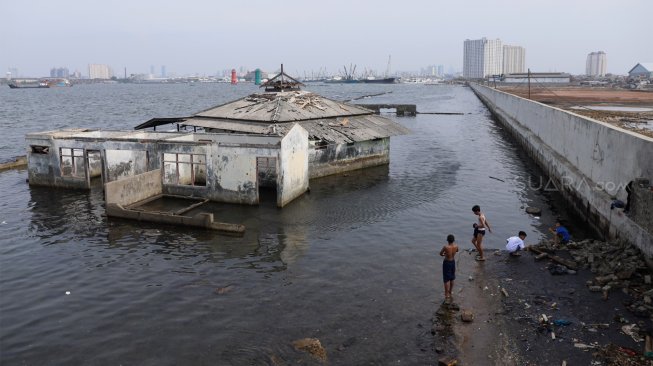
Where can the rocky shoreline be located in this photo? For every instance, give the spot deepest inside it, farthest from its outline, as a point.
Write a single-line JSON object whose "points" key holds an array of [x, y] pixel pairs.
{"points": [[587, 303]]}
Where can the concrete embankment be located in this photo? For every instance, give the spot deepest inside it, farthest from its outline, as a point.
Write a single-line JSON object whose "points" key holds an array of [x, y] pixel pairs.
{"points": [[588, 161], [19, 162]]}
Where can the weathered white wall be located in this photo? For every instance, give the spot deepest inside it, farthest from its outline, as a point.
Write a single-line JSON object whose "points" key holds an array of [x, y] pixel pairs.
{"points": [[590, 161], [292, 177], [132, 189], [339, 158]]}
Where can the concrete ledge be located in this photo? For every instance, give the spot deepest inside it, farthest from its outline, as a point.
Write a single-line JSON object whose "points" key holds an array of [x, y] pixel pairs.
{"points": [[20, 162], [342, 166], [202, 220]]}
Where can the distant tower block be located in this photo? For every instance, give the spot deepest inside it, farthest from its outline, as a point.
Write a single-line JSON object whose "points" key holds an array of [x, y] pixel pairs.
{"points": [[257, 77], [234, 78]]}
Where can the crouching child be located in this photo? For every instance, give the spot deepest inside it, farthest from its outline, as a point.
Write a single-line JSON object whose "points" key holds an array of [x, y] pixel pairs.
{"points": [[514, 244]]}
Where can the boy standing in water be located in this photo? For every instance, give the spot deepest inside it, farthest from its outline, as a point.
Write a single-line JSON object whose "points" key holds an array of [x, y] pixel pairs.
{"points": [[449, 265], [479, 232]]}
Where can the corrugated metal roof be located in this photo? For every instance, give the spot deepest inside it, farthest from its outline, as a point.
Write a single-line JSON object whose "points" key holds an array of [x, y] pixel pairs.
{"points": [[227, 125], [283, 107], [332, 130]]}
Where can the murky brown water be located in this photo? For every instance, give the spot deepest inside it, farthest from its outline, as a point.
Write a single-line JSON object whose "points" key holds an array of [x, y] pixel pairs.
{"points": [[353, 262]]}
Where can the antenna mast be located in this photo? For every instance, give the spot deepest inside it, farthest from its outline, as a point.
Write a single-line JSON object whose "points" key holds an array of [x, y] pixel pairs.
{"points": [[387, 70]]}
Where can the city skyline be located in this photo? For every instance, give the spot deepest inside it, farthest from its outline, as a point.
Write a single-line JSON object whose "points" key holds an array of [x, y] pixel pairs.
{"points": [[204, 37]]}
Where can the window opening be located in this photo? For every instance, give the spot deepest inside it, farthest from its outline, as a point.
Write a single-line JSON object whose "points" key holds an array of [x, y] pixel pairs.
{"points": [[72, 162], [40, 149], [184, 169]]}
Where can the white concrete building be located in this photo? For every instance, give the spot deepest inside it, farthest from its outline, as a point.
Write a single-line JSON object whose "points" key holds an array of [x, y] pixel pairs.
{"points": [[99, 71], [514, 59], [482, 57], [596, 64]]}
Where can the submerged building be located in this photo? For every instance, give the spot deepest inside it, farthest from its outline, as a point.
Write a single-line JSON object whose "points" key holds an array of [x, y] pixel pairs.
{"points": [[277, 139]]}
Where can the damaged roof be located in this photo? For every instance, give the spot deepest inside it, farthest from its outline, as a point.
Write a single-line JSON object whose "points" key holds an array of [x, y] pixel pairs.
{"points": [[276, 113], [287, 106], [333, 130]]}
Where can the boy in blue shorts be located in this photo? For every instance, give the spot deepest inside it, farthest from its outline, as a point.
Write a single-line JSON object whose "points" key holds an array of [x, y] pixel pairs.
{"points": [[449, 265]]}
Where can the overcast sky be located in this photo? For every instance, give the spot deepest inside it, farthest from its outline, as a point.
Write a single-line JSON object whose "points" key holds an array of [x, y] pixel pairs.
{"points": [[206, 36]]}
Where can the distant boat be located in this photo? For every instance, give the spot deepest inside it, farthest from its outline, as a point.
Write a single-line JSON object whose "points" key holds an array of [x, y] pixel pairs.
{"points": [[57, 82], [42, 83], [373, 80], [29, 85]]}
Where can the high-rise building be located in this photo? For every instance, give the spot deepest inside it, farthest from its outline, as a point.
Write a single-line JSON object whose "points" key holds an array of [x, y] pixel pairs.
{"points": [[596, 64], [163, 71], [99, 71], [59, 72], [514, 59], [482, 57], [14, 72]]}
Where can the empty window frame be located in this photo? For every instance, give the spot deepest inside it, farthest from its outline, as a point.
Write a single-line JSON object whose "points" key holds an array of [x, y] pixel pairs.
{"points": [[72, 162], [184, 169], [42, 150]]}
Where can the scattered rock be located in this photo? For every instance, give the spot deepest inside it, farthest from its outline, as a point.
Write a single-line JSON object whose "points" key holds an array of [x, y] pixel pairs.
{"points": [[467, 316], [533, 211], [633, 331], [312, 346]]}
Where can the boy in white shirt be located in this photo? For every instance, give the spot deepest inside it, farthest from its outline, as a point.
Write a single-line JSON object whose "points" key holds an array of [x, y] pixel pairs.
{"points": [[516, 243]]}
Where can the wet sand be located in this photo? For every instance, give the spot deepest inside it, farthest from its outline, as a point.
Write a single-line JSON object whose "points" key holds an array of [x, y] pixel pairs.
{"points": [[506, 330]]}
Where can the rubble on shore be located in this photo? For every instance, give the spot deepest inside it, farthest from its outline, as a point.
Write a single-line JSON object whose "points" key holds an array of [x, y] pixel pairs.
{"points": [[614, 266]]}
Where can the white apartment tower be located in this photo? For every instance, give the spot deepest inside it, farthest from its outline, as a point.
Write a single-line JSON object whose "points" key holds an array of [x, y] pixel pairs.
{"points": [[482, 58], [98, 71], [597, 64], [514, 59]]}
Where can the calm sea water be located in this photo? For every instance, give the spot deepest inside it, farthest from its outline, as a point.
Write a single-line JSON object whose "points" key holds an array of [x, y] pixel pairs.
{"points": [[354, 261]]}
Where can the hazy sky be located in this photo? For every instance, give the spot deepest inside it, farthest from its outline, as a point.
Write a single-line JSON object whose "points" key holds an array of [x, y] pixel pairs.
{"points": [[197, 36]]}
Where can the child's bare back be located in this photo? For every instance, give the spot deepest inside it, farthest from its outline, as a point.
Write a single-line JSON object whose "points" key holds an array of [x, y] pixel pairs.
{"points": [[449, 251]]}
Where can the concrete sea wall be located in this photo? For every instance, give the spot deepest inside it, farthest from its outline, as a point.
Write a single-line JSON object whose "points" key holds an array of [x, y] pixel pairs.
{"points": [[588, 161]]}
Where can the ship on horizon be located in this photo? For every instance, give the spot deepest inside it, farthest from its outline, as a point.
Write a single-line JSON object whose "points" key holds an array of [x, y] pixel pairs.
{"points": [[39, 84]]}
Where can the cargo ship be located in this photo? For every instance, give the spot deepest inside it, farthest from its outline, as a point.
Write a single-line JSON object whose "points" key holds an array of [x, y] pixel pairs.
{"points": [[39, 85], [372, 80]]}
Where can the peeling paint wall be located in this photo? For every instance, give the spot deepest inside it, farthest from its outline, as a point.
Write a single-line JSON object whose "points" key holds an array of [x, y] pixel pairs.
{"points": [[589, 161], [125, 163], [46, 169], [333, 159], [133, 189], [293, 166], [218, 167]]}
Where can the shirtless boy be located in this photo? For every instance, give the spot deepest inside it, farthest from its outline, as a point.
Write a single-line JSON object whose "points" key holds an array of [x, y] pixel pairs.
{"points": [[479, 232], [449, 265]]}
